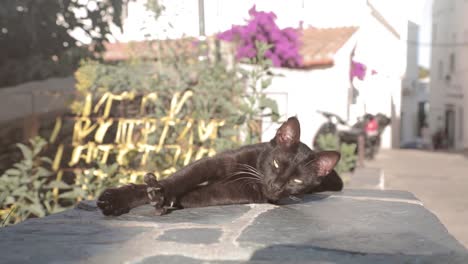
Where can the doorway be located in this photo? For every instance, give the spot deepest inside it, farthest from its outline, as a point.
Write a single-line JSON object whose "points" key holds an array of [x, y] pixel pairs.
{"points": [[450, 125]]}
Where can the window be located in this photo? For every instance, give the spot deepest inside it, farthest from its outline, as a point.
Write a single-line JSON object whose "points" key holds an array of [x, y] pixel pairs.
{"points": [[452, 62]]}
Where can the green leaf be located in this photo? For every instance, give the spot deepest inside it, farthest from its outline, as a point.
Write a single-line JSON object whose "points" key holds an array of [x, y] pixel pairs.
{"points": [[20, 191], [73, 194], [46, 160], [28, 163], [266, 83], [27, 153], [9, 200], [57, 209], [59, 185], [37, 144], [36, 209], [13, 172], [268, 103], [42, 172], [21, 166], [47, 206]]}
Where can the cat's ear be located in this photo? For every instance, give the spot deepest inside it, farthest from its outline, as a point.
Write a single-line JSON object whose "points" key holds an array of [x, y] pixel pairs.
{"points": [[326, 162], [289, 134]]}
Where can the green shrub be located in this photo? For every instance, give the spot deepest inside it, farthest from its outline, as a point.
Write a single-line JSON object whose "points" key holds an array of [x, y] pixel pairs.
{"points": [[348, 151], [90, 183], [26, 190]]}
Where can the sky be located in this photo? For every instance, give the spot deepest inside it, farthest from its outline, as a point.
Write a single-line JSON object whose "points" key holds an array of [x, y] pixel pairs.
{"points": [[417, 11], [421, 13]]}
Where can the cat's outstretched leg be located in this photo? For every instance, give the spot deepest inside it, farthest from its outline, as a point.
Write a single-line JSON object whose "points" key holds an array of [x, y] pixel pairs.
{"points": [[155, 193], [117, 201]]}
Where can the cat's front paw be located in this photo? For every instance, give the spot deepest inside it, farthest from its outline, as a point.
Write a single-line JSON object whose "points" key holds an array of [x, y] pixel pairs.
{"points": [[114, 201], [155, 193]]}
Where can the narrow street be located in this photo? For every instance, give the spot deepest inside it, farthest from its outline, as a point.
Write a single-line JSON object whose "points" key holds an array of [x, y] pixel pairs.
{"points": [[439, 180]]}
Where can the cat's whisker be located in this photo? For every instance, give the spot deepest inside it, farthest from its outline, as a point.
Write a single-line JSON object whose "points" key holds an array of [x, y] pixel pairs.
{"points": [[250, 175], [248, 172], [253, 174], [247, 169], [242, 178], [252, 169]]}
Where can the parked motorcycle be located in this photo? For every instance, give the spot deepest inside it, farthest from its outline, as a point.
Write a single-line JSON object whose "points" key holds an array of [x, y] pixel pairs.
{"points": [[369, 126], [373, 127]]}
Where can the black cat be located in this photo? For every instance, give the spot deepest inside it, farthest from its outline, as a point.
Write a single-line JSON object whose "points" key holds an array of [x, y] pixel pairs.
{"points": [[259, 173]]}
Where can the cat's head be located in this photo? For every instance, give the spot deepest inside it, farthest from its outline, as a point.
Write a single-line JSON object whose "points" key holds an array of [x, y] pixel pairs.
{"points": [[292, 168]]}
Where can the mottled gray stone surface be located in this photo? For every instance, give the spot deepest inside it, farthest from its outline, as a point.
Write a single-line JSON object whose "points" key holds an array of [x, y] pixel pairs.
{"points": [[355, 226], [192, 235]]}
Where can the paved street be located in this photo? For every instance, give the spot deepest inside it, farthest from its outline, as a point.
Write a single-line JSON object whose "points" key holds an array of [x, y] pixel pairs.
{"points": [[439, 180]]}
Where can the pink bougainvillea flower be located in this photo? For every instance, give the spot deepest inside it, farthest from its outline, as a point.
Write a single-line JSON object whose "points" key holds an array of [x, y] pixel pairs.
{"points": [[261, 26]]}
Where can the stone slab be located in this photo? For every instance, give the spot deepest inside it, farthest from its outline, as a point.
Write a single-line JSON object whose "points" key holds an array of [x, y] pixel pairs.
{"points": [[354, 226]]}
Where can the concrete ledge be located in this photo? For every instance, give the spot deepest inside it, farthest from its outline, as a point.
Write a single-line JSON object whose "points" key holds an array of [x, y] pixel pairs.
{"points": [[355, 226]]}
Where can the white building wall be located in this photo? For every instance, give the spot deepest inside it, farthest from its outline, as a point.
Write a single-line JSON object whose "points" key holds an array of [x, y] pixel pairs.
{"points": [[302, 93], [382, 50], [449, 68], [411, 91]]}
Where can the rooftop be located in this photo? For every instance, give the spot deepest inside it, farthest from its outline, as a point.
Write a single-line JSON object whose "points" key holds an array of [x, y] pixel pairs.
{"points": [[319, 46]]}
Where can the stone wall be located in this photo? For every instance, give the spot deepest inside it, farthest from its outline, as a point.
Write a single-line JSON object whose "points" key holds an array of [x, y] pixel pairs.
{"points": [[30, 109], [354, 226]]}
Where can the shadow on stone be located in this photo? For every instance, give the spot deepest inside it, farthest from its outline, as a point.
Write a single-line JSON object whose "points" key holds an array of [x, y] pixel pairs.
{"points": [[303, 199], [291, 253], [170, 259]]}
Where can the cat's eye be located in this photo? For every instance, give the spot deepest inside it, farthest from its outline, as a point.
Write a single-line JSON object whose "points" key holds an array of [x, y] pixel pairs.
{"points": [[297, 181], [275, 163]]}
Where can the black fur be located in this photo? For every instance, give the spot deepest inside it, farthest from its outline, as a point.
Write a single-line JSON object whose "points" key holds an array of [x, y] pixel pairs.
{"points": [[258, 173]]}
